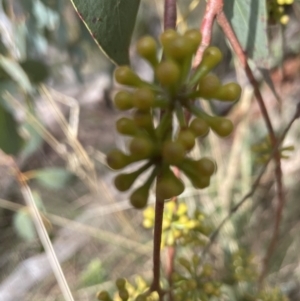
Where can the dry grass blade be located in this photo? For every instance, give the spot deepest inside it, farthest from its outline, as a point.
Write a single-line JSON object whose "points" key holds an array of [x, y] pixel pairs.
{"points": [[59, 148], [78, 160], [44, 238], [79, 152], [80, 157], [100, 234]]}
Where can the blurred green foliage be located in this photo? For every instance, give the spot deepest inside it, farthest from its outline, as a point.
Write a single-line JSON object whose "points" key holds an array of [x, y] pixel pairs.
{"points": [[28, 28], [93, 274]]}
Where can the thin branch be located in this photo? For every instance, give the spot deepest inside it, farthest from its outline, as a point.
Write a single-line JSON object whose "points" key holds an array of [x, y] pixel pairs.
{"points": [[278, 216], [255, 185], [237, 48], [230, 35], [159, 212], [170, 14]]}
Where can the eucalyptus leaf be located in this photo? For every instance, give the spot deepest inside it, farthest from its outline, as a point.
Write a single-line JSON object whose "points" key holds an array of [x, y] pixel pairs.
{"points": [[7, 34], [24, 225], [23, 221], [45, 17], [249, 22], [111, 23], [20, 32], [52, 177], [54, 4], [10, 140], [33, 142], [7, 86], [93, 274], [15, 71]]}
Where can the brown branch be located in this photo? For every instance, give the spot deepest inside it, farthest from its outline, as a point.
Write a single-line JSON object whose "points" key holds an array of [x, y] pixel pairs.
{"points": [[237, 48], [159, 212], [230, 35], [170, 14], [255, 185]]}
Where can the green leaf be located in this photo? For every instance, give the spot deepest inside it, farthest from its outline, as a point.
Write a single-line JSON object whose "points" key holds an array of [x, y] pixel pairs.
{"points": [[24, 225], [20, 32], [111, 24], [33, 142], [249, 22], [10, 140], [93, 274], [53, 178], [8, 40], [15, 72], [44, 16], [23, 222]]}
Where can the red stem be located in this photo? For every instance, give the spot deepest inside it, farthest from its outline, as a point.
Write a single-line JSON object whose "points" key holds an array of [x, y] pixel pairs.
{"points": [[214, 9], [229, 33]]}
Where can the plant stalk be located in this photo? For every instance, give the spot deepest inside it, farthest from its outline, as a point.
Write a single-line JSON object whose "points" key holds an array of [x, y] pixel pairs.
{"points": [[170, 16], [159, 212]]}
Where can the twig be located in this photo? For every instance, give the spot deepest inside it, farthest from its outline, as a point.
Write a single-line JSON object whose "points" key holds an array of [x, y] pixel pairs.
{"points": [[255, 185], [278, 216], [159, 212], [230, 35], [170, 16], [237, 48]]}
